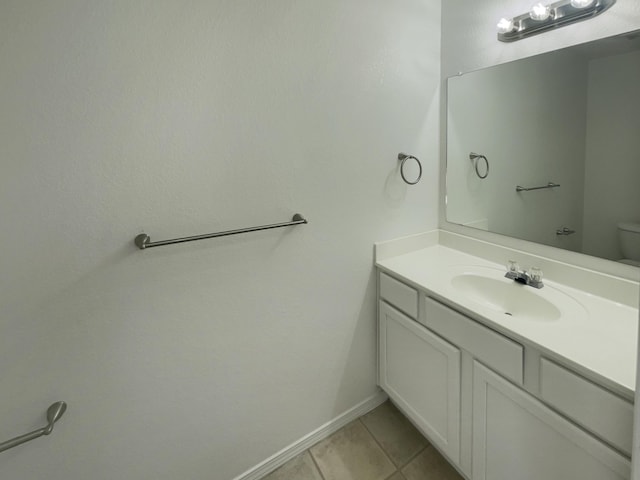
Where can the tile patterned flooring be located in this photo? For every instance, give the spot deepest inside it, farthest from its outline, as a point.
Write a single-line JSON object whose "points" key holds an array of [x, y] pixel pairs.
{"points": [[381, 445]]}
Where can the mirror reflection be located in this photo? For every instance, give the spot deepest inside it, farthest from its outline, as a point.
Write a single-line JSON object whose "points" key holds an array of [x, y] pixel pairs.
{"points": [[547, 149]]}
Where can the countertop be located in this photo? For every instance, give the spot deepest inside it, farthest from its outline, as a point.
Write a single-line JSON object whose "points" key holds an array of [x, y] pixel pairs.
{"points": [[601, 342]]}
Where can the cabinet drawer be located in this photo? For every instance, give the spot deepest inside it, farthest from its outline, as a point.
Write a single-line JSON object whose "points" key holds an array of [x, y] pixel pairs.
{"points": [[496, 351], [399, 295], [598, 410]]}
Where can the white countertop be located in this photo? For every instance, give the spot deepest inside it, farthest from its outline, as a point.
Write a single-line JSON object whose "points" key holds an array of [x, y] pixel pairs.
{"points": [[601, 341]]}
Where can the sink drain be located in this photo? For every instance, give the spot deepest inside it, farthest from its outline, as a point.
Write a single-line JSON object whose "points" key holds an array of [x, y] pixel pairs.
{"points": [[508, 313]]}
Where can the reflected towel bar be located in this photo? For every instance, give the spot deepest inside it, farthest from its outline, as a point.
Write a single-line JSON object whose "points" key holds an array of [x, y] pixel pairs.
{"points": [[143, 240], [54, 412], [548, 185]]}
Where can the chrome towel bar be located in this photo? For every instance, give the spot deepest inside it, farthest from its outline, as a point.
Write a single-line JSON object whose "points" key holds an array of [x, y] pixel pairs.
{"points": [[548, 185], [143, 240], [54, 412]]}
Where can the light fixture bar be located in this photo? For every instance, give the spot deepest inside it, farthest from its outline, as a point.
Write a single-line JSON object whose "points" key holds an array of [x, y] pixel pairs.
{"points": [[561, 13]]}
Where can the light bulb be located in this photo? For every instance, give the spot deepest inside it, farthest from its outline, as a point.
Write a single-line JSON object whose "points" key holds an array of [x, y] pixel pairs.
{"points": [[540, 11], [581, 3], [505, 25]]}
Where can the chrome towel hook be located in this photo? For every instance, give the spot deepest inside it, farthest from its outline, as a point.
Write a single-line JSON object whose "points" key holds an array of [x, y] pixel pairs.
{"points": [[475, 158], [54, 412], [403, 157], [565, 231]]}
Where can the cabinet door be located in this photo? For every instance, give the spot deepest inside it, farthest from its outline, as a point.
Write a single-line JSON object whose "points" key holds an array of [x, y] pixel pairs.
{"points": [[421, 374], [516, 436]]}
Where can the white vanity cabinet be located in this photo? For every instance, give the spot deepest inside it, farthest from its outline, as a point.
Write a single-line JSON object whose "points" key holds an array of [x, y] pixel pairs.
{"points": [[421, 374], [516, 436], [526, 417]]}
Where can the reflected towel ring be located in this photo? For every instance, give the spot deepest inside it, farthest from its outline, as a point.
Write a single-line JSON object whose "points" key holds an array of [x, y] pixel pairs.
{"points": [[474, 157], [403, 157]]}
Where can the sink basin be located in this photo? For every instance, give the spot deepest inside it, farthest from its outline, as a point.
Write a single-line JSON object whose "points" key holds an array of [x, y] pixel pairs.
{"points": [[510, 298], [507, 297]]}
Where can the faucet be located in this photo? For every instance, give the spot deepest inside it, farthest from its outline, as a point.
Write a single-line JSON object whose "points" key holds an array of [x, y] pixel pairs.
{"points": [[533, 277]]}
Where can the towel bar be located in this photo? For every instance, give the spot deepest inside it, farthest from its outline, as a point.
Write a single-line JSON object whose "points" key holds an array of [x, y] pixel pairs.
{"points": [[143, 240], [525, 189]]}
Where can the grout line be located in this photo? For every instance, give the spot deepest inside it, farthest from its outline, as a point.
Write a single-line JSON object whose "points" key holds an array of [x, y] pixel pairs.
{"points": [[315, 462], [413, 457], [397, 471], [378, 443], [398, 468]]}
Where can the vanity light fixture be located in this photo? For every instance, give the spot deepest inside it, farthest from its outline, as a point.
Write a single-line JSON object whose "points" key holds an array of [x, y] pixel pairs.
{"points": [[544, 17], [540, 12], [505, 25], [581, 3]]}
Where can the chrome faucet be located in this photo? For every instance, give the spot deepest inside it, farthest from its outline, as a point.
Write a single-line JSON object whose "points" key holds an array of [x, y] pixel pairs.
{"points": [[533, 277]]}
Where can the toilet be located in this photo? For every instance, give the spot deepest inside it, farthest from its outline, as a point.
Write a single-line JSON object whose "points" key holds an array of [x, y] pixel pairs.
{"points": [[629, 235]]}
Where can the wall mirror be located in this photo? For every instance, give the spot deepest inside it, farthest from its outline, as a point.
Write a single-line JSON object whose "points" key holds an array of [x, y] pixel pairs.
{"points": [[547, 148]]}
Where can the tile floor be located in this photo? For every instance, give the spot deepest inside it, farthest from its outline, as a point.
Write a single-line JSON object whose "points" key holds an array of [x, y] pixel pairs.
{"points": [[381, 445]]}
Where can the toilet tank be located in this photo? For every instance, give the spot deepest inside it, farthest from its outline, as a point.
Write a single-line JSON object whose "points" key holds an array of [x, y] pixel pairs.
{"points": [[629, 234]]}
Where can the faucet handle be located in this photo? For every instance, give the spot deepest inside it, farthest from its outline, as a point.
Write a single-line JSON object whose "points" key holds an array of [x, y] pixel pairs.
{"points": [[512, 266], [536, 274]]}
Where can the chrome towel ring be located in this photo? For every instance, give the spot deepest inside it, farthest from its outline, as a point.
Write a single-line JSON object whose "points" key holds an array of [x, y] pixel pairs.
{"points": [[476, 158], [403, 157]]}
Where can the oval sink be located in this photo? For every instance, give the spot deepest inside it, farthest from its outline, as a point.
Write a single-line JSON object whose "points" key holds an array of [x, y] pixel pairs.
{"points": [[507, 297]]}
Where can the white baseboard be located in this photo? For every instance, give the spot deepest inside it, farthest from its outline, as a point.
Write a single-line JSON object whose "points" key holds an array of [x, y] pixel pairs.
{"points": [[299, 446]]}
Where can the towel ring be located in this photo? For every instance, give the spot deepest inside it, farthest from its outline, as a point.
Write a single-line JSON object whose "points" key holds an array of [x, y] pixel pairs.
{"points": [[403, 157], [474, 157]]}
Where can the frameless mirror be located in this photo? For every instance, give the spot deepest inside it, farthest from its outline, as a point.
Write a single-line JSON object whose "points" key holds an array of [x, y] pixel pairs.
{"points": [[547, 148]]}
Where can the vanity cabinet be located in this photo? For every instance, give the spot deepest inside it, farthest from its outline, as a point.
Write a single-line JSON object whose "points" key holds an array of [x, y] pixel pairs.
{"points": [[421, 373], [493, 349], [525, 416], [598, 410], [516, 436]]}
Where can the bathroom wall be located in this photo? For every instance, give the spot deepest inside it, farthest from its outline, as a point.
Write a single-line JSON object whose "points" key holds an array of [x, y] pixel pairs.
{"points": [[485, 115], [199, 361], [469, 42], [613, 152]]}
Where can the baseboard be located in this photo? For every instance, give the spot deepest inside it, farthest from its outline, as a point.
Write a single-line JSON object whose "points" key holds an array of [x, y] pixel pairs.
{"points": [[299, 446]]}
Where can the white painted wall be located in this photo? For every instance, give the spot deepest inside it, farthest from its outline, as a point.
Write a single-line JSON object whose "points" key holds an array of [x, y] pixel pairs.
{"points": [[612, 152], [177, 118], [528, 118]]}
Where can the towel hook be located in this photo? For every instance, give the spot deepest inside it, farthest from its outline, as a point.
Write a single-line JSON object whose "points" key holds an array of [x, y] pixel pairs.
{"points": [[54, 412], [403, 157]]}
